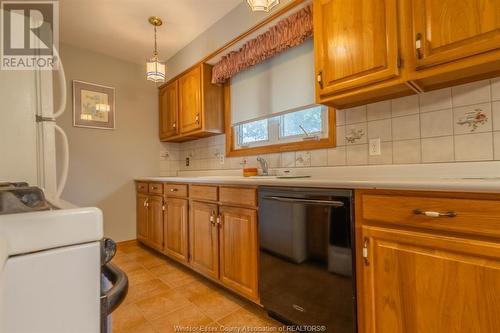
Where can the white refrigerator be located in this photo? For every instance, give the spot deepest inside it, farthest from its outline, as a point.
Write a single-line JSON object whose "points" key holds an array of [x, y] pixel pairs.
{"points": [[28, 129], [55, 274]]}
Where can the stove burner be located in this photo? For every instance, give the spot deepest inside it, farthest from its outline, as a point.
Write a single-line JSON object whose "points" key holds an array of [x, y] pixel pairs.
{"points": [[22, 198]]}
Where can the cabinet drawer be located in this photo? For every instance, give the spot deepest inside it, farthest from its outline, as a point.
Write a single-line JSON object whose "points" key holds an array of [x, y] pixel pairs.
{"points": [[203, 192], [156, 188], [176, 190], [238, 196], [477, 215], [141, 187]]}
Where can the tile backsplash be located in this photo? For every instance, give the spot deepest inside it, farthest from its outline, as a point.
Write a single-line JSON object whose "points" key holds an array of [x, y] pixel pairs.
{"points": [[455, 124]]}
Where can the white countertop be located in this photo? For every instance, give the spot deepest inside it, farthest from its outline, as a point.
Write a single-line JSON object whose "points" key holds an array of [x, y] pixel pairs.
{"points": [[474, 184]]}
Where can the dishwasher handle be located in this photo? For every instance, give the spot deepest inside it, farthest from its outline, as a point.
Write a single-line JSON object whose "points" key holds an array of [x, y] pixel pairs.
{"points": [[332, 203]]}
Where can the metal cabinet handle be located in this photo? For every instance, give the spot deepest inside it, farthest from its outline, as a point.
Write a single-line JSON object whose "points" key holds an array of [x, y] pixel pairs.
{"points": [[174, 190], [197, 118], [219, 220], [319, 78], [366, 241], [450, 213], [418, 45], [212, 217], [174, 125], [146, 202]]}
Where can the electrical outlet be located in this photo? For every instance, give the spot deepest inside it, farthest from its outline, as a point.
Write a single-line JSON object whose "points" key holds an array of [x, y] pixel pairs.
{"points": [[221, 158], [187, 161], [374, 147]]}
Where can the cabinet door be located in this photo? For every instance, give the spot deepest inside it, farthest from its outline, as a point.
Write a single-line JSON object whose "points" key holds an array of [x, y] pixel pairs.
{"points": [[176, 229], [239, 250], [422, 283], [142, 216], [448, 30], [190, 100], [155, 222], [355, 43], [169, 102], [204, 239]]}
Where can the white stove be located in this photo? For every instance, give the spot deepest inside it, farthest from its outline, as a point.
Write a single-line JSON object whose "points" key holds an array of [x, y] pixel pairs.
{"points": [[52, 263]]}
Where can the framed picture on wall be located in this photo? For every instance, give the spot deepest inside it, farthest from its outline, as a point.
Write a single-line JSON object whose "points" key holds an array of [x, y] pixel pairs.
{"points": [[93, 105]]}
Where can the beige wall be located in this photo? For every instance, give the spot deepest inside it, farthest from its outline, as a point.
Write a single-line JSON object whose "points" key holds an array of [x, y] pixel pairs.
{"points": [[103, 163], [233, 24]]}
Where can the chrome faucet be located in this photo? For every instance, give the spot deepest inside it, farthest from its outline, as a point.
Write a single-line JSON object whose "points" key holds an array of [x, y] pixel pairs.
{"points": [[264, 166]]}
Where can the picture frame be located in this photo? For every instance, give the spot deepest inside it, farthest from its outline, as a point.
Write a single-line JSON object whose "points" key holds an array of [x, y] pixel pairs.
{"points": [[93, 105]]}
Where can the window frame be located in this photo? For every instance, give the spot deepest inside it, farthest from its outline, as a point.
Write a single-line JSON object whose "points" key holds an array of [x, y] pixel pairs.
{"points": [[232, 150]]}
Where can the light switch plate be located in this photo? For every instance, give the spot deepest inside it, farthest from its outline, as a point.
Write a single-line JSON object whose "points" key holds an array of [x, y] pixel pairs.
{"points": [[374, 147], [164, 155]]}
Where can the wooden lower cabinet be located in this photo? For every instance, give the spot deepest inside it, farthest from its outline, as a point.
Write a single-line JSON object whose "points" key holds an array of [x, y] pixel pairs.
{"points": [[218, 239], [204, 238], [142, 216], [175, 230], [423, 283], [150, 220], [427, 262], [155, 222], [239, 250]]}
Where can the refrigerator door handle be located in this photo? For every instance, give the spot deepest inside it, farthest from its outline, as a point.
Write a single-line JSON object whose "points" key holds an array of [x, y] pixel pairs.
{"points": [[62, 84], [65, 162]]}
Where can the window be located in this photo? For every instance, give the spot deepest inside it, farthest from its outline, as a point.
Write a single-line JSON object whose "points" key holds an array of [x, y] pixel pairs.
{"points": [[310, 123], [255, 131]]}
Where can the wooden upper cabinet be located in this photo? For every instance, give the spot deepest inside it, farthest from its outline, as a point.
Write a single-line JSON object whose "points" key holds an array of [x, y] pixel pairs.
{"points": [[204, 239], [142, 216], [450, 42], [169, 110], [190, 100], [448, 30], [191, 106], [239, 250], [155, 222], [176, 229], [422, 283], [356, 44]]}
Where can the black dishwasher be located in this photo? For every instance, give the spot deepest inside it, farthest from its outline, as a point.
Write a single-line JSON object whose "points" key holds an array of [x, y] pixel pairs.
{"points": [[307, 257]]}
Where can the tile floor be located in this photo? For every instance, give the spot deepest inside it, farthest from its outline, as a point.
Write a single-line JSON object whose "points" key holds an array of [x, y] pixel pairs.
{"points": [[163, 294]]}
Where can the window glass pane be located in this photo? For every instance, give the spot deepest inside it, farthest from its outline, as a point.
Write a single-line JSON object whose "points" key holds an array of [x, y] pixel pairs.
{"points": [[253, 132], [309, 119]]}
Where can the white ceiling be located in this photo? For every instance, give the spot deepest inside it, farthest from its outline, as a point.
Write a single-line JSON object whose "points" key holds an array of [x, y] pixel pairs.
{"points": [[119, 27]]}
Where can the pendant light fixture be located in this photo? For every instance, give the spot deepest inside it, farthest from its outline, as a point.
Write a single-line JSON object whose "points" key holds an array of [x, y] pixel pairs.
{"points": [[155, 69], [262, 5]]}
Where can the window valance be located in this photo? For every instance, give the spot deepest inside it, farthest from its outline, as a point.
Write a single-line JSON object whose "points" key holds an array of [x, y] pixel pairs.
{"points": [[289, 32]]}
